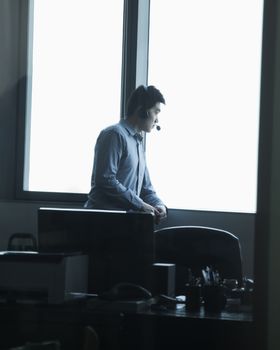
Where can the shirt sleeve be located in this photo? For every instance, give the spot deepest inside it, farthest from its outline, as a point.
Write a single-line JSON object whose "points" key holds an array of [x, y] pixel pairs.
{"points": [[109, 148], [148, 193]]}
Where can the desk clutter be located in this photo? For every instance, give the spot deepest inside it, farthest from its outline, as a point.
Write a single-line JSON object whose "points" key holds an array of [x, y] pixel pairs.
{"points": [[212, 291], [55, 278], [206, 294]]}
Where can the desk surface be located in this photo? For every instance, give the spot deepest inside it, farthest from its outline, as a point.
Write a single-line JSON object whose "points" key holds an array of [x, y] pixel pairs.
{"points": [[232, 312]]}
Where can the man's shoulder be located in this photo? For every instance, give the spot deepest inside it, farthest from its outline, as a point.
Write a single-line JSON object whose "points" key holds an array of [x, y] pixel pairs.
{"points": [[114, 127], [117, 128], [113, 133]]}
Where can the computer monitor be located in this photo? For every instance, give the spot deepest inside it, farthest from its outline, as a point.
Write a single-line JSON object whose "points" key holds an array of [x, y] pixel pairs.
{"points": [[120, 244]]}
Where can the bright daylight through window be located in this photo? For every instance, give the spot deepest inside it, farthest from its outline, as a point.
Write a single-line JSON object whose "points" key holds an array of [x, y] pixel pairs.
{"points": [[74, 83], [205, 57]]}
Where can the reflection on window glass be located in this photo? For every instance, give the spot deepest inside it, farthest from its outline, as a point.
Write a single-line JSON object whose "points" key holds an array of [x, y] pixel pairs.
{"points": [[74, 89], [205, 57]]}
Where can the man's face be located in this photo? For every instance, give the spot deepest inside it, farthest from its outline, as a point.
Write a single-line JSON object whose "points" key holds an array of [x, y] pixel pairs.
{"points": [[150, 122]]}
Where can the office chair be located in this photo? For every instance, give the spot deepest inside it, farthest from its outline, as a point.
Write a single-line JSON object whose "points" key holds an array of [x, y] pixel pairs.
{"points": [[196, 247], [22, 241]]}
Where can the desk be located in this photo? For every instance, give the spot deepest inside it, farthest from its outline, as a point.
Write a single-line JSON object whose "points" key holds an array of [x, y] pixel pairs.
{"points": [[181, 329], [142, 330]]}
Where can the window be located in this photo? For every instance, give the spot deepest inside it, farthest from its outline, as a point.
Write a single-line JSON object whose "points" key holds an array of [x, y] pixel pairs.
{"points": [[205, 57], [206, 62], [73, 89]]}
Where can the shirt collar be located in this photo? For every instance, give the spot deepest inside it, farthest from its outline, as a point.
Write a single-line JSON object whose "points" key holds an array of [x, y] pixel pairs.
{"points": [[131, 130]]}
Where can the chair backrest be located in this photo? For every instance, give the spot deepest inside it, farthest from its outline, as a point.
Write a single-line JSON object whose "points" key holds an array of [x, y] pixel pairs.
{"points": [[196, 247], [22, 241]]}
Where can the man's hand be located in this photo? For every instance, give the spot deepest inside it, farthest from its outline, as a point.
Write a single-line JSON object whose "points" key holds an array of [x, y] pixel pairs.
{"points": [[147, 208], [162, 213], [159, 211]]}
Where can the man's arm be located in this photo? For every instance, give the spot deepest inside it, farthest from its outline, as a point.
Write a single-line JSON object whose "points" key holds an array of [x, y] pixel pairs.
{"points": [[150, 197], [109, 149]]}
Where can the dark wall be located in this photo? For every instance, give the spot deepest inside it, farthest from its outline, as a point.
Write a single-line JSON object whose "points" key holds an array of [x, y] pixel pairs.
{"points": [[21, 216], [9, 76]]}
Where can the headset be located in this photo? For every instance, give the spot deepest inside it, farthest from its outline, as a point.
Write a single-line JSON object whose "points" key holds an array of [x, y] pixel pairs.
{"points": [[143, 113]]}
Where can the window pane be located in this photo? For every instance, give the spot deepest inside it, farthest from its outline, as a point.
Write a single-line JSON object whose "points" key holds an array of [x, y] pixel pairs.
{"points": [[205, 57], [74, 88]]}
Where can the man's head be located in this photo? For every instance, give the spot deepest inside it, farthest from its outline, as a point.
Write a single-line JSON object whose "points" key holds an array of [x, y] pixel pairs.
{"points": [[144, 106]]}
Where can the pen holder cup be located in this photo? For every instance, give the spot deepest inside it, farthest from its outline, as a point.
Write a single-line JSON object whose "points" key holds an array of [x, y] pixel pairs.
{"points": [[193, 297], [214, 297]]}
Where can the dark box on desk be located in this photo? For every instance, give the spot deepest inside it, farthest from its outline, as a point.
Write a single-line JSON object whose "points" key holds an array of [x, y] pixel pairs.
{"points": [[164, 279]]}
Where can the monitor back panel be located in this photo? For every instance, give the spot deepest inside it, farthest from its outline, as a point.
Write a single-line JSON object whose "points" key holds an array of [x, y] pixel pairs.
{"points": [[120, 245]]}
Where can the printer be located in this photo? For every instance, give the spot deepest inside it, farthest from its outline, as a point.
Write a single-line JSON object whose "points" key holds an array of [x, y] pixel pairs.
{"points": [[49, 277]]}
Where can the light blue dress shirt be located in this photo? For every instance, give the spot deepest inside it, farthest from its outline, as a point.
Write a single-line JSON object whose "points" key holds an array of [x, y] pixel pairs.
{"points": [[120, 178]]}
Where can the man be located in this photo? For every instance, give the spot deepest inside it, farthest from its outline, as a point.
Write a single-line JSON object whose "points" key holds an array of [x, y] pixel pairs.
{"points": [[120, 178]]}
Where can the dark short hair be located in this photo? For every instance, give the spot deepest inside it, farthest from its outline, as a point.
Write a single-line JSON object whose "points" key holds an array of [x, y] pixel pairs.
{"points": [[145, 97]]}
